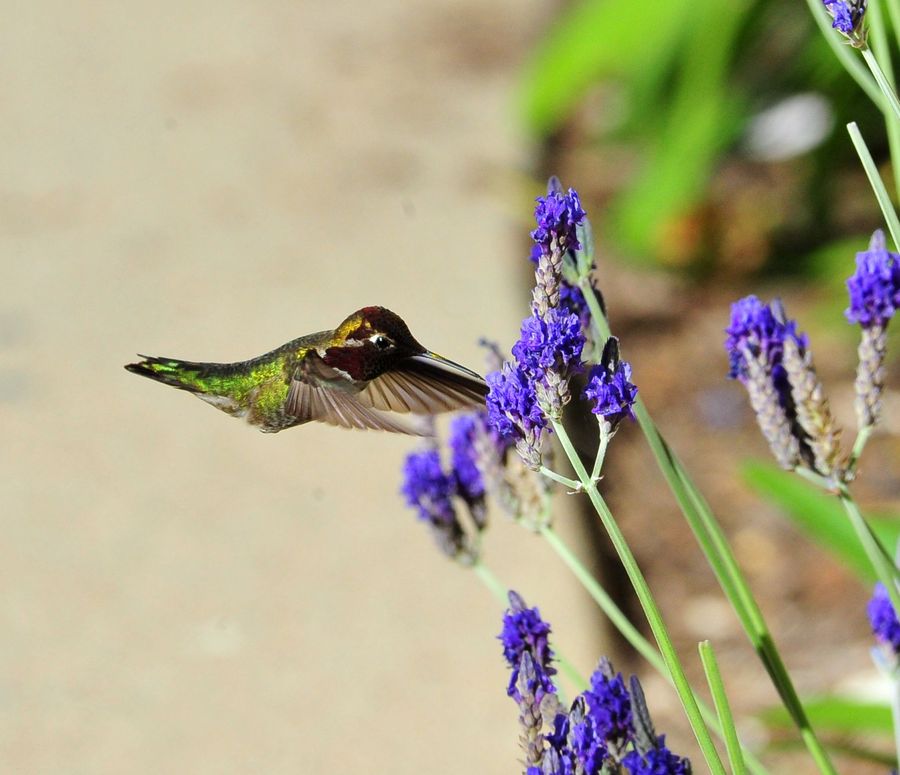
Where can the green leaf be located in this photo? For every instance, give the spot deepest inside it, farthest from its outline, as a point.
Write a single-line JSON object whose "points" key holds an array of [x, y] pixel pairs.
{"points": [[836, 714], [819, 515], [697, 120], [594, 39]]}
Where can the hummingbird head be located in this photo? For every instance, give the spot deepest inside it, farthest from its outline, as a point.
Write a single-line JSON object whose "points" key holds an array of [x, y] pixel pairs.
{"points": [[370, 342]]}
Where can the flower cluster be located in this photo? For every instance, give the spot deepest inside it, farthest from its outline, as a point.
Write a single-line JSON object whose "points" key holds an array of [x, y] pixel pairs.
{"points": [[558, 215], [874, 288], [464, 458], [883, 619], [848, 16], [431, 490], [607, 729], [532, 389], [609, 387], [874, 297], [524, 630], [774, 363]]}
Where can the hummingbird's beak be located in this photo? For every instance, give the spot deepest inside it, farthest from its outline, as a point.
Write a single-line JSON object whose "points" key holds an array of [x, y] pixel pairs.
{"points": [[433, 362]]}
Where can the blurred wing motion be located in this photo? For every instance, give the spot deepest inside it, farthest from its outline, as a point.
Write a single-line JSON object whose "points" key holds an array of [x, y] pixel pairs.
{"points": [[426, 384], [422, 385]]}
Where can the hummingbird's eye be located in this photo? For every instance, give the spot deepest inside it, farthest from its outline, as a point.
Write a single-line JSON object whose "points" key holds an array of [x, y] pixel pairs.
{"points": [[382, 342]]}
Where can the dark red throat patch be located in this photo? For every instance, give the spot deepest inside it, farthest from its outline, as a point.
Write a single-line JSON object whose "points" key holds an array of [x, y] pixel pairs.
{"points": [[355, 361]]}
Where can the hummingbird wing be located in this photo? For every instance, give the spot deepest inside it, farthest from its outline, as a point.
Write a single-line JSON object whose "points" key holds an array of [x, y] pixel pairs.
{"points": [[426, 384], [316, 393]]}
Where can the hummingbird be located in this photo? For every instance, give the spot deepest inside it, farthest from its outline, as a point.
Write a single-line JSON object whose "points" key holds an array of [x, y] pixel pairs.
{"points": [[363, 374]]}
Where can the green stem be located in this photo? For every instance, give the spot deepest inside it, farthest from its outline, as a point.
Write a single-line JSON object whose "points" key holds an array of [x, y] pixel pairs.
{"points": [[715, 547], [604, 601], [601, 451], [894, 13], [882, 52], [881, 194], [859, 444], [720, 700], [564, 480], [488, 578], [720, 557], [598, 319], [651, 610], [886, 89], [637, 641], [885, 568]]}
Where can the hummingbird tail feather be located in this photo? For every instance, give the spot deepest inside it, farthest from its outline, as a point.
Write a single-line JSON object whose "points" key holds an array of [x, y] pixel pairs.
{"points": [[180, 374]]}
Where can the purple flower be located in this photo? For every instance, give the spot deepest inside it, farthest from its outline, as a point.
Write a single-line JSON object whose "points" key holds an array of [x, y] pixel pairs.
{"points": [[550, 343], [427, 488], [512, 402], [587, 745], [558, 215], [657, 761], [609, 706], [875, 286], [847, 14], [524, 630], [610, 388], [761, 329], [464, 458], [883, 618]]}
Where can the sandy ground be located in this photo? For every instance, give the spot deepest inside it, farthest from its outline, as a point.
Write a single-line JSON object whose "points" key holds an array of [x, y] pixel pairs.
{"points": [[180, 592]]}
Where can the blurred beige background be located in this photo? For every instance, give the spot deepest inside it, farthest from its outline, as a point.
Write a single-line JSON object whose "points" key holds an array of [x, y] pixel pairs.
{"points": [[181, 593]]}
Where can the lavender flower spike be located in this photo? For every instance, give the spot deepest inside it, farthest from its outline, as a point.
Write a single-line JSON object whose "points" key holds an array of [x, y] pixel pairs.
{"points": [[530, 717], [848, 18], [525, 631], [874, 297], [465, 459], [609, 387], [558, 215], [430, 491], [755, 346], [810, 403]]}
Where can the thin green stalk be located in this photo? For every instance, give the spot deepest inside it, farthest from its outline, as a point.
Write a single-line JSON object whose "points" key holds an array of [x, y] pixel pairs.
{"points": [[881, 79], [894, 13], [491, 582], [720, 700], [637, 641], [845, 55], [604, 601], [601, 451], [882, 51], [560, 479], [885, 568], [728, 573], [598, 319], [651, 610], [724, 564], [859, 445], [718, 553], [881, 194]]}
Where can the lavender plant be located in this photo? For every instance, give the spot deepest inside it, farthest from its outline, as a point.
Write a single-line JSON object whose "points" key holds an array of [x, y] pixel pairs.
{"points": [[507, 452], [606, 729]]}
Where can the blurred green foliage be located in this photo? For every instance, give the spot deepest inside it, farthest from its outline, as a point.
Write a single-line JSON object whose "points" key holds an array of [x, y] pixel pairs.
{"points": [[819, 515], [669, 87], [837, 714]]}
